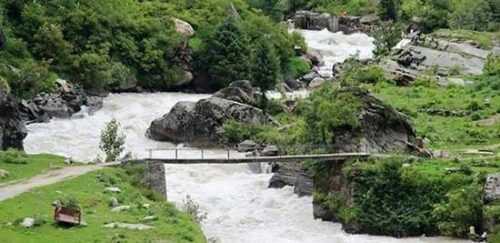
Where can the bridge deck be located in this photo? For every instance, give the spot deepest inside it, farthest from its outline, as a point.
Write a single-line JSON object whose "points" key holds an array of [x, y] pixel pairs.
{"points": [[263, 159]]}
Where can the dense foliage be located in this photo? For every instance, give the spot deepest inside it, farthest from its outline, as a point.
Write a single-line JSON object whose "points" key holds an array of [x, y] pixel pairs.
{"points": [[111, 44], [391, 199]]}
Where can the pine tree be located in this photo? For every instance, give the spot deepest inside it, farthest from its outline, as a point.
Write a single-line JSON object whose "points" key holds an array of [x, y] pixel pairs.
{"points": [[266, 68], [229, 54]]}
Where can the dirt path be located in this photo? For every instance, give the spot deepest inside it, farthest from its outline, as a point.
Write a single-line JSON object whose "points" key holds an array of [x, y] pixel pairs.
{"points": [[50, 177]]}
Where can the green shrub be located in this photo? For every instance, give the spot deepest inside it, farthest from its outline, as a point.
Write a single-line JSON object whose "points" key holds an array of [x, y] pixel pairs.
{"points": [[297, 67], [492, 65], [462, 210], [12, 156], [327, 110], [471, 15], [112, 141], [371, 74], [4, 85]]}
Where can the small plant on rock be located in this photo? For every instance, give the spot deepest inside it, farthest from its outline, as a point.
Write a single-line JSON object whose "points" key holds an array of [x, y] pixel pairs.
{"points": [[193, 209], [112, 141]]}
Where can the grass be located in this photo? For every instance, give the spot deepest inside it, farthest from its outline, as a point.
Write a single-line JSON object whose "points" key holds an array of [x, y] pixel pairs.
{"points": [[21, 166], [447, 116], [485, 40], [171, 225]]}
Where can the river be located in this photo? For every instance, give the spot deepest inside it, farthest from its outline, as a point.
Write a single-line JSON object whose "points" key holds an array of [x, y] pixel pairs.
{"points": [[239, 206]]}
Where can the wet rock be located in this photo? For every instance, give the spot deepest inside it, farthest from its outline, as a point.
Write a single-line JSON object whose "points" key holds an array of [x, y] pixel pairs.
{"points": [[314, 56], [320, 212], [369, 19], [128, 226], [247, 146], [12, 128], [315, 21], [63, 103], [309, 77], [239, 91], [316, 83], [304, 185], [294, 84], [270, 150], [201, 123], [285, 174]]}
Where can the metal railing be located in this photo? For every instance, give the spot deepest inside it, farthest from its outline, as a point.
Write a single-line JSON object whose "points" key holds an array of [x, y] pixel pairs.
{"points": [[232, 153]]}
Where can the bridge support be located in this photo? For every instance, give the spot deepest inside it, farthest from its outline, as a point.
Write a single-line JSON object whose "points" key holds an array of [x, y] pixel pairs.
{"points": [[155, 178]]}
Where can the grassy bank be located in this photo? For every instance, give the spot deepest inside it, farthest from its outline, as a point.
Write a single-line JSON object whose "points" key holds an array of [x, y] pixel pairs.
{"points": [[89, 190], [20, 166]]}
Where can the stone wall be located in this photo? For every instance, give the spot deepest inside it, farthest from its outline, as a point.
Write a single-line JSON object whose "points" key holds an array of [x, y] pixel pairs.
{"points": [[154, 176]]}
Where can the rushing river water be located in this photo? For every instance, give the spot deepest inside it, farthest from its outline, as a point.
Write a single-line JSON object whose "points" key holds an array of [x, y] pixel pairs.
{"points": [[239, 205]]}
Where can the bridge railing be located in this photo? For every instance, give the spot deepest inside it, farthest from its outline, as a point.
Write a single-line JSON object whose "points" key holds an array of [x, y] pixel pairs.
{"points": [[194, 153], [231, 153]]}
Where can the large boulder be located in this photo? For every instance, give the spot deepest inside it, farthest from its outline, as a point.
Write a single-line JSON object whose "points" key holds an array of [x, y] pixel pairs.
{"points": [[381, 128], [184, 28], [12, 129], [65, 101], [201, 123], [239, 91], [418, 54], [315, 21]]}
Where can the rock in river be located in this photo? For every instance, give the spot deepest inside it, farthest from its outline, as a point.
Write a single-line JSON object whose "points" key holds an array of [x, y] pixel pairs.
{"points": [[201, 123], [12, 129]]}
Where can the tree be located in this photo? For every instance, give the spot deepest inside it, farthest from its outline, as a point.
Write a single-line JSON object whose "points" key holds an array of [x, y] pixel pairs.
{"points": [[388, 9], [266, 68], [472, 15], [112, 141], [229, 54]]}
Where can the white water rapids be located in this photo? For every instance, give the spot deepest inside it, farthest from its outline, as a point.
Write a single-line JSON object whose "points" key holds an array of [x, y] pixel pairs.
{"points": [[239, 205]]}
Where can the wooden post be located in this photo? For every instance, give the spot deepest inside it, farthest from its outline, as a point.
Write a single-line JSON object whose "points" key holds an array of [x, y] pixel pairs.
{"points": [[202, 154], [176, 153], [228, 155]]}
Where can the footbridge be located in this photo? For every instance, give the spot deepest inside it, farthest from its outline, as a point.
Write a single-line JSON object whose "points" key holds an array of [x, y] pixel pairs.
{"points": [[155, 176], [227, 156]]}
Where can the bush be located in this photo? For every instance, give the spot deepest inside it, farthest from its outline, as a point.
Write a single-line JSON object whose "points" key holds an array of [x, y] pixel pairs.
{"points": [[297, 67], [70, 202], [471, 15], [12, 156], [193, 209], [371, 74], [4, 85], [492, 65], [112, 141], [462, 210], [327, 110]]}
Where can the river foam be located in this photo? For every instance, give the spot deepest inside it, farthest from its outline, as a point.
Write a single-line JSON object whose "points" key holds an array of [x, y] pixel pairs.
{"points": [[240, 207], [337, 47]]}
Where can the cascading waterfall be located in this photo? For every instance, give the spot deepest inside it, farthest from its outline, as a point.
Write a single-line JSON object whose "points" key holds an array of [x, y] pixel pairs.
{"points": [[239, 206]]}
